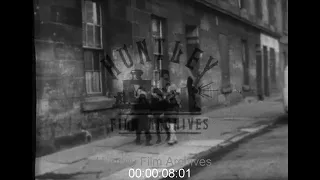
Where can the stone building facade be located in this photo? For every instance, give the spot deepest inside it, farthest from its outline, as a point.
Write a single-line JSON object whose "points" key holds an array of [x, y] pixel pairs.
{"points": [[87, 50]]}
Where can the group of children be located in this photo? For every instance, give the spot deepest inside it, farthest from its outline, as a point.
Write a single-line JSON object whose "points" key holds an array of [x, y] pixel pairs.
{"points": [[156, 106]]}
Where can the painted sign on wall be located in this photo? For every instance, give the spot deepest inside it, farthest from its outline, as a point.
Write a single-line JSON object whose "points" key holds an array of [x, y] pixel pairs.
{"points": [[143, 51]]}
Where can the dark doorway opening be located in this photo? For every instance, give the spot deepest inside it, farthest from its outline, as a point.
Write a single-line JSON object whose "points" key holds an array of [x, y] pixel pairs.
{"points": [[266, 71], [194, 53], [224, 64], [259, 72], [245, 63], [273, 69]]}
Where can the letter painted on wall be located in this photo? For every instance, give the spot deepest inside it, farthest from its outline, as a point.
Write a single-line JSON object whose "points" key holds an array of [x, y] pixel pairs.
{"points": [[108, 64], [207, 68], [193, 57], [125, 49], [142, 48], [176, 55]]}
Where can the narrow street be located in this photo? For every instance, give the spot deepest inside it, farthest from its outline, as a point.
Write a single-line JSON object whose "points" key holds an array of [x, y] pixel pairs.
{"points": [[133, 89], [262, 157]]}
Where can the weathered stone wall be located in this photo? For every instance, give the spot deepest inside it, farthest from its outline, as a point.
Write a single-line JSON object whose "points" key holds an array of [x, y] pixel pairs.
{"points": [[60, 62], [60, 77]]}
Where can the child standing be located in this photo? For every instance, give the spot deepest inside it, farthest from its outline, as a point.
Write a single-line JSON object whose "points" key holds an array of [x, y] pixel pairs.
{"points": [[173, 105], [141, 110], [158, 106]]}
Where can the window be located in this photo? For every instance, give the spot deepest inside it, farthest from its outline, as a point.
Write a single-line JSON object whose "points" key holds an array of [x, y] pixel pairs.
{"points": [[245, 61], [285, 14], [273, 65], [272, 15], [158, 39], [193, 51], [93, 71], [92, 44], [92, 25], [192, 34], [258, 9], [285, 59]]}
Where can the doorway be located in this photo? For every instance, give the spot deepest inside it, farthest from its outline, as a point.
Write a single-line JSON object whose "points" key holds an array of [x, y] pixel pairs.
{"points": [[193, 43], [224, 64], [266, 71], [193, 46], [273, 69], [259, 72], [245, 63]]}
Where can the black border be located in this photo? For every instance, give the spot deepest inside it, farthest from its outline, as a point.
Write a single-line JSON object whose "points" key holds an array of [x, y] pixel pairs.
{"points": [[16, 104], [302, 85]]}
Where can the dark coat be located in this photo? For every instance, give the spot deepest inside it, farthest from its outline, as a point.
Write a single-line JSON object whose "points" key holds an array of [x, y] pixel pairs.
{"points": [[160, 105], [140, 112]]}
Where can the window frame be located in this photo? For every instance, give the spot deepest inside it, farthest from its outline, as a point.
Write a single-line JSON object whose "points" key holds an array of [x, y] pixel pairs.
{"points": [[85, 24], [159, 34], [259, 9], [155, 36], [271, 11], [93, 70], [192, 34], [284, 53], [284, 8], [94, 48]]}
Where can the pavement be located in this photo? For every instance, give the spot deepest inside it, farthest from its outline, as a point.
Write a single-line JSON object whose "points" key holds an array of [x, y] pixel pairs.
{"points": [[198, 135], [264, 156]]}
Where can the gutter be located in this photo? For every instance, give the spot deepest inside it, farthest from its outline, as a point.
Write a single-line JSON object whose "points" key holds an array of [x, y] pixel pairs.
{"points": [[239, 18]]}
